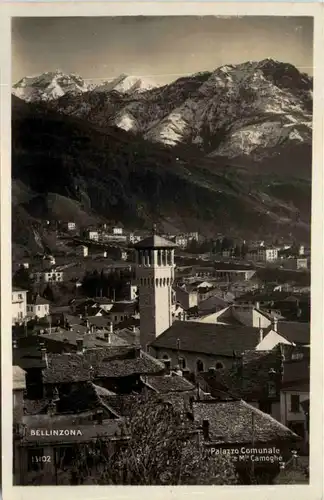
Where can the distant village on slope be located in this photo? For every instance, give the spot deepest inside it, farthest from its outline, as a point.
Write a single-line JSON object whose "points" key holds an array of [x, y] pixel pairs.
{"points": [[126, 340]]}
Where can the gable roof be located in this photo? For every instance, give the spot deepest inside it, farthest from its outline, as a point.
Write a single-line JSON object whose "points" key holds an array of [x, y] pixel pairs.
{"points": [[155, 241], [208, 338], [231, 422], [294, 331]]}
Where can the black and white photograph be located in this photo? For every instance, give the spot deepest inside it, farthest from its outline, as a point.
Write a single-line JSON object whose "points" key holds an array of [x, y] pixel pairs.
{"points": [[161, 211]]}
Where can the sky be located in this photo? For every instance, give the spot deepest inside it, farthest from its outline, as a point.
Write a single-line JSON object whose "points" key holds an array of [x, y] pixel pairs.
{"points": [[159, 48]]}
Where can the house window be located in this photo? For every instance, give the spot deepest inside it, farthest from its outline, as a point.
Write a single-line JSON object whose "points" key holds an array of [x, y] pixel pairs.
{"points": [[182, 363], [199, 366], [38, 308], [272, 390], [165, 356], [294, 403], [19, 296]]}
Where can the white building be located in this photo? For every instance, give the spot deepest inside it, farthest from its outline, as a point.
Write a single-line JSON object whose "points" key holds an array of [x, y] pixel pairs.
{"points": [[69, 226], [117, 230], [50, 276], [263, 254], [154, 277], [38, 307], [92, 235], [18, 304]]}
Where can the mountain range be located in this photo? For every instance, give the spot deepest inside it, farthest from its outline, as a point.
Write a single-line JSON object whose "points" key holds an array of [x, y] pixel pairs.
{"points": [[227, 150]]}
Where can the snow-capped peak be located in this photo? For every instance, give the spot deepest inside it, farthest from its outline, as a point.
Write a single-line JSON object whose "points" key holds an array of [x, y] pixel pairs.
{"points": [[48, 86], [125, 84]]}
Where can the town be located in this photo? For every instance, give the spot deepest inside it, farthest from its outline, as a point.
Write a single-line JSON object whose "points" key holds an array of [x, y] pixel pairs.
{"points": [[120, 335]]}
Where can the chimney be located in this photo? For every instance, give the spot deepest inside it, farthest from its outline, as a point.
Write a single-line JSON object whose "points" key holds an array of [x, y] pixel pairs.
{"points": [[138, 352], [79, 346], [205, 429], [107, 337], [275, 324], [260, 335], [133, 328], [51, 409], [99, 416], [43, 353], [167, 365], [257, 305], [110, 327]]}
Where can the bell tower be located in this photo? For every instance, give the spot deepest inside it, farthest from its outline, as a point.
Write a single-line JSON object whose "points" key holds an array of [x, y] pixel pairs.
{"points": [[154, 277]]}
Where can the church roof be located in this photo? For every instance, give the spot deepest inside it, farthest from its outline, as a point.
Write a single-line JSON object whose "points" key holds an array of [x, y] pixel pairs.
{"points": [[155, 241]]}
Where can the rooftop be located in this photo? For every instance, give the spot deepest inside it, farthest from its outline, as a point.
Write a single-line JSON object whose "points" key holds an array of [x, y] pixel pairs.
{"points": [[208, 338], [294, 331], [155, 241], [230, 422], [168, 383]]}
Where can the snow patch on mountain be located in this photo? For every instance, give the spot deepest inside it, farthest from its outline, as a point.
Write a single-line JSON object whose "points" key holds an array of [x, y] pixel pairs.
{"points": [[125, 121], [48, 86]]}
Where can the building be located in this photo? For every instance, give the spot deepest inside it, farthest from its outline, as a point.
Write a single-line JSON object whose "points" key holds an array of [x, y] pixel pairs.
{"points": [[181, 241], [82, 251], [295, 392], [18, 304], [263, 254], [186, 297], [50, 276], [18, 386], [199, 346], [69, 226], [302, 264], [234, 274], [38, 306], [117, 230], [92, 235], [154, 276]]}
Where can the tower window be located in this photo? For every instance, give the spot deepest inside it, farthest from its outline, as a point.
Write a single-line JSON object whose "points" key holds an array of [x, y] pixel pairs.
{"points": [[161, 282], [157, 282], [164, 281]]}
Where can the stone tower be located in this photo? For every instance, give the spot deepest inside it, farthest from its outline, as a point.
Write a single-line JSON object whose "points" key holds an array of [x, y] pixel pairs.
{"points": [[154, 277]]}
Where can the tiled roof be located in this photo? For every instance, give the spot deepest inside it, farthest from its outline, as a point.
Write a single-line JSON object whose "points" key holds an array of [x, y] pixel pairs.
{"points": [[155, 241], [38, 300], [96, 339], [166, 384], [295, 331], [230, 422], [35, 406], [145, 364], [208, 338], [86, 397], [120, 307], [99, 363]]}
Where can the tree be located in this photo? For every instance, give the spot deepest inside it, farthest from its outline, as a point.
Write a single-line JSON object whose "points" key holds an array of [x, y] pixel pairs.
{"points": [[22, 279], [162, 449]]}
